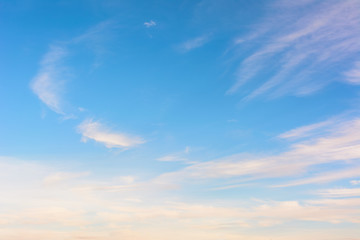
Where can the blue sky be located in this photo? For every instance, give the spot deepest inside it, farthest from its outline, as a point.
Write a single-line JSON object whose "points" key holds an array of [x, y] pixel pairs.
{"points": [[180, 119]]}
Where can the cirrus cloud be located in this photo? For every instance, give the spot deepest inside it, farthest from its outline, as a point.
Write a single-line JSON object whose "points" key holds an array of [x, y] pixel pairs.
{"points": [[96, 131]]}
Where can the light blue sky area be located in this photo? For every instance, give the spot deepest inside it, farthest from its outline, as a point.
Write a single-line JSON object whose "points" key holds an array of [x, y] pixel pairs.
{"points": [[210, 119]]}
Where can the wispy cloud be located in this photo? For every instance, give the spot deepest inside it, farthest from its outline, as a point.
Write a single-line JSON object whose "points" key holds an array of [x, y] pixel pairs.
{"points": [[49, 82], [100, 214], [297, 45], [353, 75], [340, 142], [325, 177], [59, 177], [150, 24], [98, 132], [95, 34], [181, 156], [194, 43], [355, 182], [340, 192]]}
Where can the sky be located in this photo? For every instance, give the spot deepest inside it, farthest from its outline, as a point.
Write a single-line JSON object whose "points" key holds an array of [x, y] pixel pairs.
{"points": [[201, 119]]}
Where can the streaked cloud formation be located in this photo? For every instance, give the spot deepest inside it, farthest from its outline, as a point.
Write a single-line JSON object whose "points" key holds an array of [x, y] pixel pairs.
{"points": [[353, 75], [194, 43], [339, 142], [341, 192], [291, 48], [181, 156], [49, 82], [128, 215], [355, 182], [96, 131]]}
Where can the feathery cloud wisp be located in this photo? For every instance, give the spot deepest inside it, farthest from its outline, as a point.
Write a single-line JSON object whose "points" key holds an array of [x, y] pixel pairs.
{"points": [[293, 48], [176, 157], [353, 76], [355, 182], [194, 43], [339, 143], [48, 83], [325, 177], [150, 24], [96, 131], [340, 192]]}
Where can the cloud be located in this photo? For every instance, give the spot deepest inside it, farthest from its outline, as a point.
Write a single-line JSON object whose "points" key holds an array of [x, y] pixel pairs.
{"points": [[96, 131], [353, 75], [181, 156], [193, 43], [325, 177], [49, 82], [293, 47], [355, 182], [340, 142], [292, 4], [171, 158], [38, 211], [340, 192], [306, 131], [96, 34], [150, 24], [60, 177]]}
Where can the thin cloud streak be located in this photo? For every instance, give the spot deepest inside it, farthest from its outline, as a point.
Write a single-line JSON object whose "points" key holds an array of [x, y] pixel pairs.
{"points": [[353, 75], [312, 43], [340, 143], [181, 156], [325, 177], [340, 192], [193, 43], [355, 182], [49, 82], [96, 131]]}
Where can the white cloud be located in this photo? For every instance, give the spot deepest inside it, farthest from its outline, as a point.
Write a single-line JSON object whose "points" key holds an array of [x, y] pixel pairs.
{"points": [[60, 177], [353, 75], [96, 131], [37, 211], [49, 81], [125, 179], [340, 192], [339, 143], [194, 43], [149, 24], [325, 177], [306, 131], [95, 35], [292, 47], [355, 182], [181, 156], [171, 158]]}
